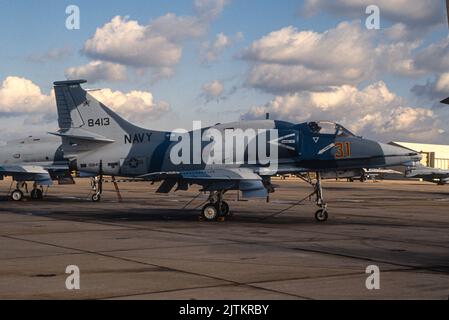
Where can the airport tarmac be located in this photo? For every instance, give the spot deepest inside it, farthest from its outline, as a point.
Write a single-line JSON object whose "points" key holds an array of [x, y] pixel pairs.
{"points": [[149, 247]]}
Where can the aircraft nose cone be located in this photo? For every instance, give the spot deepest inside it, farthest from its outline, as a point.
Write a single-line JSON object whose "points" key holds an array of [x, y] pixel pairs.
{"points": [[390, 150], [399, 156]]}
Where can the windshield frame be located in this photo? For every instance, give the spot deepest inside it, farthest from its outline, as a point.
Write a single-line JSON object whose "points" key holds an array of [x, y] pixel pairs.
{"points": [[330, 128]]}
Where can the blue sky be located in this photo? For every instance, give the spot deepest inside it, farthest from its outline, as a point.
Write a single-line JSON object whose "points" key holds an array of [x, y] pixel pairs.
{"points": [[250, 75]]}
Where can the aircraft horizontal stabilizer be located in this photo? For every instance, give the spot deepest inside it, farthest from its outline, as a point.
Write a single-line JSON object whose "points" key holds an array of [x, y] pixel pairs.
{"points": [[445, 101], [27, 173], [79, 134]]}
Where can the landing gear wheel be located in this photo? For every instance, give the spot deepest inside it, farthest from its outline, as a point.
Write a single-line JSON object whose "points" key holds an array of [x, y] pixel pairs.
{"points": [[17, 195], [210, 212], [321, 215], [36, 194], [225, 211], [96, 197]]}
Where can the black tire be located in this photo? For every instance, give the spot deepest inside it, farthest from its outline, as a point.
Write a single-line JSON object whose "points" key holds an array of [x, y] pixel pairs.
{"points": [[224, 211], [96, 197], [210, 212], [17, 195], [36, 194], [321, 215]]}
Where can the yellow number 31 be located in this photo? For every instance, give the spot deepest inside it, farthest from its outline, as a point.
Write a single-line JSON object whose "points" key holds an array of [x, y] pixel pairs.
{"points": [[343, 150]]}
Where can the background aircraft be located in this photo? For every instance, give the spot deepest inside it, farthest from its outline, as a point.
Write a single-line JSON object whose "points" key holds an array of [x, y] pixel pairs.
{"points": [[36, 159], [434, 175], [99, 141], [373, 174], [447, 8]]}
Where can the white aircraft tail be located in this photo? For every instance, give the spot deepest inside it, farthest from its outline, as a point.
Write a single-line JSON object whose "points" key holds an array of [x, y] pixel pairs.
{"points": [[82, 117]]}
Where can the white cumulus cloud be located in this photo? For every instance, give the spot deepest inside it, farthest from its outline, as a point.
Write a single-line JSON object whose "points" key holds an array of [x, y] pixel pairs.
{"points": [[22, 99], [157, 45], [20, 95], [422, 13], [212, 51], [135, 105], [289, 60], [213, 90], [127, 42], [374, 111], [96, 71], [209, 9]]}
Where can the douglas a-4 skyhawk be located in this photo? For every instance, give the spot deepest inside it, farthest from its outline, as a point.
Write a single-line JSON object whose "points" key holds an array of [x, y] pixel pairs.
{"points": [[235, 156]]}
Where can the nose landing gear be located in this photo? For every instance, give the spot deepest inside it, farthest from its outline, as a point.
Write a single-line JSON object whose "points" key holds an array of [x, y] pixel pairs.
{"points": [[321, 215]]}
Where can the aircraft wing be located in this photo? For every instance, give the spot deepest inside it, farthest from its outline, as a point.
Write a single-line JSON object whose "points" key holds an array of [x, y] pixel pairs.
{"points": [[250, 183], [27, 173]]}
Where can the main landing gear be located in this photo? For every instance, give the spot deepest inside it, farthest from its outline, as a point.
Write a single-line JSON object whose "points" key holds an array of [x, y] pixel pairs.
{"points": [[18, 194], [96, 185], [216, 209], [37, 193]]}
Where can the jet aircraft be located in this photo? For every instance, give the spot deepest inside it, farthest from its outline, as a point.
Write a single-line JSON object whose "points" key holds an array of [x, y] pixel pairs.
{"points": [[36, 159], [98, 141], [435, 175], [439, 176]]}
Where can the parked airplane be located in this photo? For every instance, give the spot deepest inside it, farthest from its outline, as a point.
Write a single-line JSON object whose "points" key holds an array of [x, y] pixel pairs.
{"points": [[373, 174], [447, 11], [100, 142], [36, 159], [434, 175], [439, 176], [445, 101]]}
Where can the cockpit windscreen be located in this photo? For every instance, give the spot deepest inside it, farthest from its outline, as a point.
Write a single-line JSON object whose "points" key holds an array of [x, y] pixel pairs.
{"points": [[326, 127]]}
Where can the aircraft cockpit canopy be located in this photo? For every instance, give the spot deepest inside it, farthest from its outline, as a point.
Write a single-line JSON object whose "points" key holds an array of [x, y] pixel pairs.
{"points": [[326, 127]]}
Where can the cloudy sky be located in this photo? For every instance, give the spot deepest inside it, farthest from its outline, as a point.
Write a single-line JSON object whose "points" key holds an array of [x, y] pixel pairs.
{"points": [[164, 64]]}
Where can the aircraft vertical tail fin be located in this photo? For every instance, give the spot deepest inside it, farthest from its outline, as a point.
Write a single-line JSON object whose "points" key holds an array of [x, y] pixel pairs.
{"points": [[81, 116], [65, 93], [447, 8]]}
